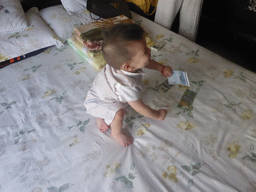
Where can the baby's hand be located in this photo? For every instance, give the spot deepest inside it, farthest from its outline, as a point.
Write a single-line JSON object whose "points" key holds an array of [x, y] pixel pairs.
{"points": [[162, 114], [167, 71]]}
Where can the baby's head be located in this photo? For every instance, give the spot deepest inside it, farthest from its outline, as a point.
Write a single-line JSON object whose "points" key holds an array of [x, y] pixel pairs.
{"points": [[124, 47]]}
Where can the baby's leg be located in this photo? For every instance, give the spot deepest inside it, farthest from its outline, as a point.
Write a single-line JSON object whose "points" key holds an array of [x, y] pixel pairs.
{"points": [[102, 125], [124, 138]]}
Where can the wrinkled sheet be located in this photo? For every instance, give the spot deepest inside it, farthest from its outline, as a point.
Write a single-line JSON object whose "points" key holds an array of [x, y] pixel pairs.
{"points": [[207, 142]]}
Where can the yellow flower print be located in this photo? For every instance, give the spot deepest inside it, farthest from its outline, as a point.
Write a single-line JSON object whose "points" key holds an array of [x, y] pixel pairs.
{"points": [[183, 87], [25, 77], [193, 57], [191, 60], [186, 125], [141, 132], [146, 125], [80, 70], [86, 11], [149, 42], [49, 93], [163, 61], [170, 173], [165, 174], [233, 149], [160, 36], [143, 128], [173, 176], [146, 81], [228, 73], [117, 165], [75, 141], [247, 114], [110, 171], [29, 29], [47, 51], [2, 57], [173, 169]]}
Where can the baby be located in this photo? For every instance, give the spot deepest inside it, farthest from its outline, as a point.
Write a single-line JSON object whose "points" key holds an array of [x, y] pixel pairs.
{"points": [[119, 84]]}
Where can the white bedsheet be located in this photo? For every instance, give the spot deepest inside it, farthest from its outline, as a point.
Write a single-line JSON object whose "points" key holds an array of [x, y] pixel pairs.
{"points": [[48, 143]]}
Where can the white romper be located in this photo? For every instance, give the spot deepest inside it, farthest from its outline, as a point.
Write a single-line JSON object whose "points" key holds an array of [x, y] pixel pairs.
{"points": [[110, 92]]}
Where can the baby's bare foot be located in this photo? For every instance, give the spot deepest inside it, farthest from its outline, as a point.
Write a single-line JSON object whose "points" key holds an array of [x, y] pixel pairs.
{"points": [[102, 125], [124, 138]]}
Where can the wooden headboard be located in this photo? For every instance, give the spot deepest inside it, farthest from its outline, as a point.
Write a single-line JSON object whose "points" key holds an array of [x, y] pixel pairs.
{"points": [[40, 4]]}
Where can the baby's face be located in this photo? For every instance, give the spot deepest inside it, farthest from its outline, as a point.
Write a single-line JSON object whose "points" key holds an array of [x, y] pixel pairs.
{"points": [[141, 55]]}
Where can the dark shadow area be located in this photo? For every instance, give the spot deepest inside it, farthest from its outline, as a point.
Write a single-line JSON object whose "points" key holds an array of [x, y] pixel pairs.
{"points": [[227, 31]]}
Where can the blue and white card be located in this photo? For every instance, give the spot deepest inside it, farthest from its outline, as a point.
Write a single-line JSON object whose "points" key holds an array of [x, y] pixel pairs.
{"points": [[179, 77]]}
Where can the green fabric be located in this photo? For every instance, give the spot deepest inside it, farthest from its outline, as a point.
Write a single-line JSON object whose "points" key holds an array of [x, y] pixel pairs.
{"points": [[93, 35], [78, 51]]}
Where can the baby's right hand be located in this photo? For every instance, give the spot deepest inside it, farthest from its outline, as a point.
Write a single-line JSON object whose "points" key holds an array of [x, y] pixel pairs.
{"points": [[162, 114]]}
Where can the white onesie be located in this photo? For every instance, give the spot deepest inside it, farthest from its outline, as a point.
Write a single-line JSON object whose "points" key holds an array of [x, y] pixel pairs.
{"points": [[110, 92]]}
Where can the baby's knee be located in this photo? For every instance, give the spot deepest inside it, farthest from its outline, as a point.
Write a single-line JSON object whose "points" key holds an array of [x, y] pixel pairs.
{"points": [[120, 113]]}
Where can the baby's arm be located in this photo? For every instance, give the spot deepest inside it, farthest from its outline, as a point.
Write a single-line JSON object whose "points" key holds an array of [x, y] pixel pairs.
{"points": [[165, 70], [145, 110]]}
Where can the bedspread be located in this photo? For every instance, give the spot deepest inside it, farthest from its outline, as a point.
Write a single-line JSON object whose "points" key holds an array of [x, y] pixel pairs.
{"points": [[206, 143]]}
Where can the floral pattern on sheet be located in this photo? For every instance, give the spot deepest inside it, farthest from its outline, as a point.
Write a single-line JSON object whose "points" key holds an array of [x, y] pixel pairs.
{"points": [[61, 188], [129, 178], [233, 149], [193, 170], [170, 174], [227, 105], [193, 57], [80, 124], [49, 143]]}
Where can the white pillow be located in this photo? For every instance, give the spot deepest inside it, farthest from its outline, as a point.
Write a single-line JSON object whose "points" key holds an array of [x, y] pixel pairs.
{"points": [[12, 17], [74, 6], [37, 36], [63, 24]]}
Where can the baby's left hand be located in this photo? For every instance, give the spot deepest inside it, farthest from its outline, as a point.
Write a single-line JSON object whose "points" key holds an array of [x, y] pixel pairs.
{"points": [[167, 71]]}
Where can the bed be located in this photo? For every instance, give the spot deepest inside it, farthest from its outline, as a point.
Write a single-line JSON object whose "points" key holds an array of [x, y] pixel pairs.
{"points": [[49, 144]]}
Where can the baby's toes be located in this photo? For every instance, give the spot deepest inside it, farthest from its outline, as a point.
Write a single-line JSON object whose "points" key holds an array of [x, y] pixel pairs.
{"points": [[124, 139], [129, 140], [102, 125]]}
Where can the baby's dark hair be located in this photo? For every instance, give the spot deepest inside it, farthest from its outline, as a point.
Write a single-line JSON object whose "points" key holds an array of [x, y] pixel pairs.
{"points": [[116, 43]]}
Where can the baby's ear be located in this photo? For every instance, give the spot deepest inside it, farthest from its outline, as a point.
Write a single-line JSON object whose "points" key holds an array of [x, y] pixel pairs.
{"points": [[127, 67]]}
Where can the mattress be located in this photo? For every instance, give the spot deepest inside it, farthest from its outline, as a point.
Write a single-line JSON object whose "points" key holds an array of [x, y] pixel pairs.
{"points": [[206, 143]]}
